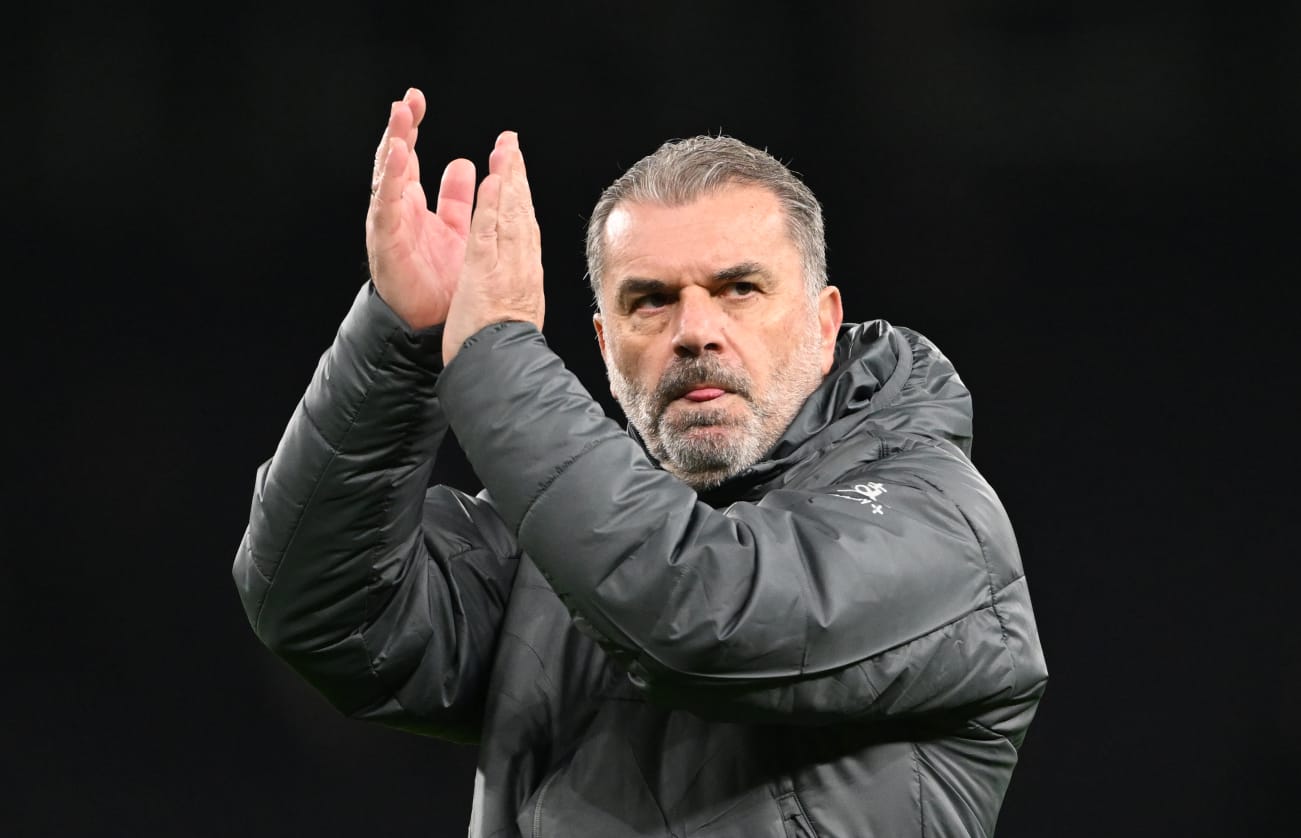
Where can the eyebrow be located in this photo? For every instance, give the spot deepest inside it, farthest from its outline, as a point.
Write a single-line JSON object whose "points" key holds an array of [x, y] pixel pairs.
{"points": [[635, 285], [740, 270]]}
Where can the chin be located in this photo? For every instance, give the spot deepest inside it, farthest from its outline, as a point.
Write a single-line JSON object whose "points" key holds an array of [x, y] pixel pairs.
{"points": [[703, 481], [704, 457]]}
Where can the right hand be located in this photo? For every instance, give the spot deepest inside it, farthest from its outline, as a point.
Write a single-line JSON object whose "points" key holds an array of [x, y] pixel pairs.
{"points": [[415, 256]]}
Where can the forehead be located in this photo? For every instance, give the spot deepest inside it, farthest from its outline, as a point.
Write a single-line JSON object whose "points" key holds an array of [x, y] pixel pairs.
{"points": [[733, 224]]}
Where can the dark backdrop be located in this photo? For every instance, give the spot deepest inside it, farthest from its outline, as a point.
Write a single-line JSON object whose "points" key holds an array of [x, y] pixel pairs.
{"points": [[1089, 207]]}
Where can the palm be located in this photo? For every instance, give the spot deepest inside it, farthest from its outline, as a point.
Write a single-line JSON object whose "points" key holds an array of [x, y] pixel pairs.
{"points": [[439, 250]]}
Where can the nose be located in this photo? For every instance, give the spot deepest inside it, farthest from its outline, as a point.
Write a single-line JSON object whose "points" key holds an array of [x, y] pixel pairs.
{"points": [[700, 324]]}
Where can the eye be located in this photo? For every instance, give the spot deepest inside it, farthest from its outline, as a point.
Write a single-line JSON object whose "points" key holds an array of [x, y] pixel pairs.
{"points": [[649, 301], [741, 289]]}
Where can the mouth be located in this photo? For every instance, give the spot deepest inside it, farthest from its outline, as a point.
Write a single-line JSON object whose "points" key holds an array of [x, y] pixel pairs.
{"points": [[701, 383], [703, 393], [699, 407]]}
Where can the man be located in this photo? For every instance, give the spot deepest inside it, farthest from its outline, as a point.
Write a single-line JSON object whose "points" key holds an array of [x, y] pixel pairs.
{"points": [[783, 603]]}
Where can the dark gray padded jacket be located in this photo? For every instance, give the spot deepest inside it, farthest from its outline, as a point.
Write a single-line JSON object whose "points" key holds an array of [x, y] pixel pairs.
{"points": [[838, 642]]}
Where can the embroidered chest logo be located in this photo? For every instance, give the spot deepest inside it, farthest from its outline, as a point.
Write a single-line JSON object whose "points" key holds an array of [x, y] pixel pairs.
{"points": [[864, 493]]}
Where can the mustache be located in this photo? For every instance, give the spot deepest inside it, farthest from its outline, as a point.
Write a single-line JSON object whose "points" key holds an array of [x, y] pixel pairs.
{"points": [[683, 376]]}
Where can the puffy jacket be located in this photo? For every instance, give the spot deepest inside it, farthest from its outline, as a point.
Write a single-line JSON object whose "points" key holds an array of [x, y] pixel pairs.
{"points": [[837, 642]]}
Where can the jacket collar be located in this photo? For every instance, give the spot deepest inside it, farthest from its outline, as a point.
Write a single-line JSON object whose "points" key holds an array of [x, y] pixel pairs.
{"points": [[883, 378]]}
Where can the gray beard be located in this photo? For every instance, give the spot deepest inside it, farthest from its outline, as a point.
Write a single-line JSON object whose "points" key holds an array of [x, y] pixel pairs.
{"points": [[704, 462]]}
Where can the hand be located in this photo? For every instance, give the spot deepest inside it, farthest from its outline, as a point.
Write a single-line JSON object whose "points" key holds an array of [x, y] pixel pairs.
{"points": [[415, 255], [502, 279]]}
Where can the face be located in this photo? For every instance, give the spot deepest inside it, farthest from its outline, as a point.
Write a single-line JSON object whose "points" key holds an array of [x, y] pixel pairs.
{"points": [[709, 338]]}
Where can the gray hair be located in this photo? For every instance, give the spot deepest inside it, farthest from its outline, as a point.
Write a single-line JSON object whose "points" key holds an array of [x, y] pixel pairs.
{"points": [[681, 171]]}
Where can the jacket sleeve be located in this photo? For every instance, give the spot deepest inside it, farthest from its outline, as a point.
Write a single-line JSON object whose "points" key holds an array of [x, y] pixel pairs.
{"points": [[806, 607], [384, 594]]}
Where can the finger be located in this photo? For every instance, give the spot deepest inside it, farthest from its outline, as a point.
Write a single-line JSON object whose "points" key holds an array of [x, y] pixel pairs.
{"points": [[481, 246], [500, 159], [409, 121], [399, 125], [508, 160], [517, 219], [412, 172], [522, 175], [456, 196], [381, 157], [512, 211], [415, 99], [392, 181], [519, 158]]}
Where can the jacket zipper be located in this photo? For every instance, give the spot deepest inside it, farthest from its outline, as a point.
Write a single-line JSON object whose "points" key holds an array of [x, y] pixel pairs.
{"points": [[793, 811], [537, 807]]}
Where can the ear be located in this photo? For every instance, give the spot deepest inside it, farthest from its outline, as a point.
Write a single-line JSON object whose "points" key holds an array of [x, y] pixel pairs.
{"points": [[830, 315], [599, 325]]}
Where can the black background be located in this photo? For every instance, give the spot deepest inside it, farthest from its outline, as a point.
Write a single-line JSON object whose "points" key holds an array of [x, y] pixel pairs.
{"points": [[1089, 207]]}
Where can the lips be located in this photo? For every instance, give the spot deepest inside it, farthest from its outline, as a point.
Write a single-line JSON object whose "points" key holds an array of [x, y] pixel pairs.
{"points": [[703, 394]]}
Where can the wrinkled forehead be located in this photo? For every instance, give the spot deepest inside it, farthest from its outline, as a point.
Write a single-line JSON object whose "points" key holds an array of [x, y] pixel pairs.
{"points": [[733, 223]]}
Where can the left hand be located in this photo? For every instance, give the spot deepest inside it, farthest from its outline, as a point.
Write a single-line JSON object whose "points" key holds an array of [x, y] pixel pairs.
{"points": [[502, 277]]}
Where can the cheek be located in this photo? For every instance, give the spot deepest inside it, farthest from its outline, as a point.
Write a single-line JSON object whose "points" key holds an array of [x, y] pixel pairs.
{"points": [[774, 351], [631, 363], [787, 348], [633, 348]]}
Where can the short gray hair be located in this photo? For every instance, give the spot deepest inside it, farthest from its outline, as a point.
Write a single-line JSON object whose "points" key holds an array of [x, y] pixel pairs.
{"points": [[681, 171]]}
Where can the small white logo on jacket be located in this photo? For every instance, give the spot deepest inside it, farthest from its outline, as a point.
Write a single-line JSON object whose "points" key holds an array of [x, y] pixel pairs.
{"points": [[864, 493]]}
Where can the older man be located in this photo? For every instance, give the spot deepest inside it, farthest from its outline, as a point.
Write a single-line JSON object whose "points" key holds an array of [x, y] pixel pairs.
{"points": [[784, 602]]}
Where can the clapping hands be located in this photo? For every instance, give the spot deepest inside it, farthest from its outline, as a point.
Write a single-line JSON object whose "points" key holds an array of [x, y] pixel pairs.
{"points": [[467, 264]]}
